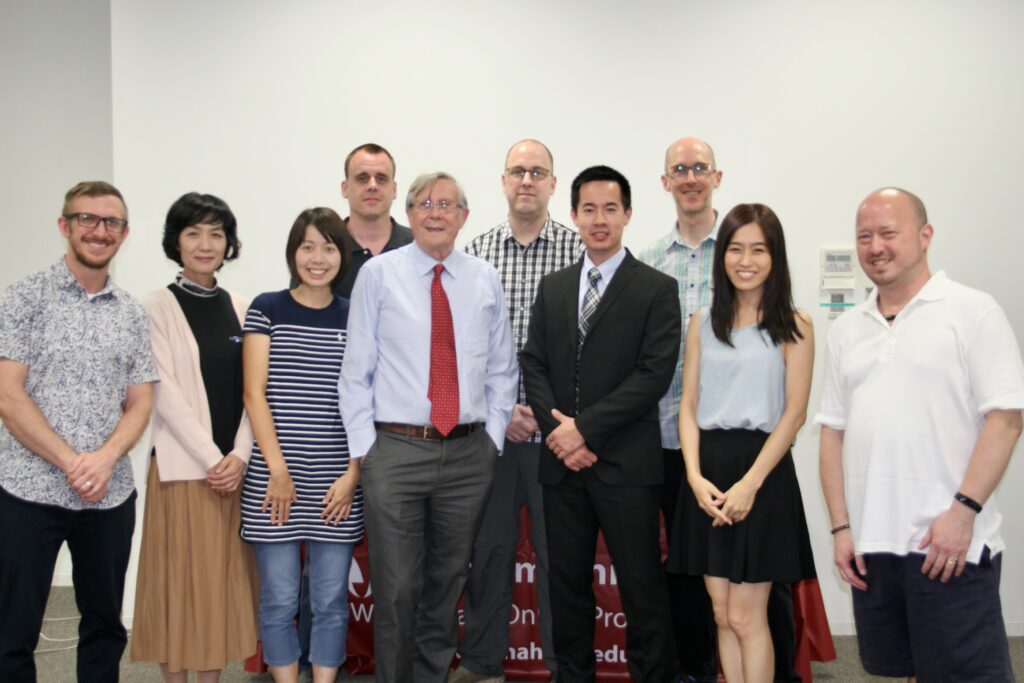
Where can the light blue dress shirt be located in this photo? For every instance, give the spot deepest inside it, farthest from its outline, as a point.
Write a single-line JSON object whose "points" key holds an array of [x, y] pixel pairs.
{"points": [[386, 370], [607, 270]]}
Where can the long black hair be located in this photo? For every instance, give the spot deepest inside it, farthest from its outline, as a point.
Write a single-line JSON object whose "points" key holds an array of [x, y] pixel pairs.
{"points": [[778, 314]]}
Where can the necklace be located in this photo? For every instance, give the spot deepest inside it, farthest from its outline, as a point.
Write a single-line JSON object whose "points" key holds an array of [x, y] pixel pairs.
{"points": [[889, 318]]}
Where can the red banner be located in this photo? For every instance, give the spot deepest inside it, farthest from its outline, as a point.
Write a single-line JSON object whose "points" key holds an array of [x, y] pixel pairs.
{"points": [[525, 660]]}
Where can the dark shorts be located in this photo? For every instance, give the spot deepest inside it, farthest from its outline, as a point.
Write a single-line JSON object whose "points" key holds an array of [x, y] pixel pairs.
{"points": [[910, 625]]}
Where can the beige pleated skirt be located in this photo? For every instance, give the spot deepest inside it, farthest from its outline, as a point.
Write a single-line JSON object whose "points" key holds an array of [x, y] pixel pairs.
{"points": [[196, 596]]}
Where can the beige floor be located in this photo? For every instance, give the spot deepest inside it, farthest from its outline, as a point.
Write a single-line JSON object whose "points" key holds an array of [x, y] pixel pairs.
{"points": [[55, 661]]}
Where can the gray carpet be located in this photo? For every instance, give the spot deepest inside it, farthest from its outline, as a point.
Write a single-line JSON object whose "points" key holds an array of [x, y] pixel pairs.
{"points": [[55, 660]]}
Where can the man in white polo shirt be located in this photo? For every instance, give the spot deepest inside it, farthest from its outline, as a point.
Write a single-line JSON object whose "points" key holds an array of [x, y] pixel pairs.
{"points": [[920, 412]]}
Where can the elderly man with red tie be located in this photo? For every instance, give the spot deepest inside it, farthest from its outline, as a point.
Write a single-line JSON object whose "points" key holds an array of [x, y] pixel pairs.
{"points": [[426, 389]]}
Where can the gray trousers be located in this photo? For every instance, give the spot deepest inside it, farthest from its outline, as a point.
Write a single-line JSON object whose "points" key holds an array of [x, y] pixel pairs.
{"points": [[423, 504], [492, 572]]}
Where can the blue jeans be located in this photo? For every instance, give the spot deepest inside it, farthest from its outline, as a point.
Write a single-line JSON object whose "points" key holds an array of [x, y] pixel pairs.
{"points": [[280, 574]]}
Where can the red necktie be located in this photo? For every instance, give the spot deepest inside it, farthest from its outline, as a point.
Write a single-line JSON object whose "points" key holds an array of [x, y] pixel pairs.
{"points": [[443, 391]]}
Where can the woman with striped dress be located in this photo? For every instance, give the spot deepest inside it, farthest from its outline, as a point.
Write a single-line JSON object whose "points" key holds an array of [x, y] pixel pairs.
{"points": [[300, 486]]}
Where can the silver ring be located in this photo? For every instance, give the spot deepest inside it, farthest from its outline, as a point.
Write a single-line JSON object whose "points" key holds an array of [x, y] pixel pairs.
{"points": [[88, 483]]}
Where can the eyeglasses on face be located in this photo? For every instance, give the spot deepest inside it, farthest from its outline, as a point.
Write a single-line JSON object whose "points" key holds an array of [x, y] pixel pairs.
{"points": [[537, 173], [700, 170], [90, 221], [442, 205]]}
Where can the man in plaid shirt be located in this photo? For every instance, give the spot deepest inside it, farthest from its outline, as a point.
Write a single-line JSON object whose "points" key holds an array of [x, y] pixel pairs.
{"points": [[686, 253], [524, 248]]}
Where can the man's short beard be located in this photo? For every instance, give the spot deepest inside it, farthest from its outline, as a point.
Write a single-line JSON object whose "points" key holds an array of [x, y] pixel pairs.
{"points": [[92, 265]]}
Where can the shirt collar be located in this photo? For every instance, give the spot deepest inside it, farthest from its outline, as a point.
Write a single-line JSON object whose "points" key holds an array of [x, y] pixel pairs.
{"points": [[608, 268], [546, 232], [934, 290], [393, 239], [66, 280], [677, 239], [936, 287], [424, 263]]}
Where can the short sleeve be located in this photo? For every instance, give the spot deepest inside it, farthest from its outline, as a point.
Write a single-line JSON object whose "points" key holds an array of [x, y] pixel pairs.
{"points": [[258, 317], [994, 363], [16, 322], [832, 410], [143, 364]]}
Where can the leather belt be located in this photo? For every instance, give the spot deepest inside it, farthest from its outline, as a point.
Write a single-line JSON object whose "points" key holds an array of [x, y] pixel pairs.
{"points": [[428, 432]]}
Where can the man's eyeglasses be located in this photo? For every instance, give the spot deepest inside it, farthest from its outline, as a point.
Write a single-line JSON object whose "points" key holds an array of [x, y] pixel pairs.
{"points": [[700, 170], [114, 226], [537, 173], [442, 205]]}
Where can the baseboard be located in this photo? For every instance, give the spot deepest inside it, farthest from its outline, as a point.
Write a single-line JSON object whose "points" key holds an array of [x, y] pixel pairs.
{"points": [[1014, 629], [842, 628]]}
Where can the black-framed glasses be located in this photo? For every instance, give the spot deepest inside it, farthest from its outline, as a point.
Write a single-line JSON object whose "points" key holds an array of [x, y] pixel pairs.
{"points": [[700, 170], [91, 221], [537, 173], [442, 205]]}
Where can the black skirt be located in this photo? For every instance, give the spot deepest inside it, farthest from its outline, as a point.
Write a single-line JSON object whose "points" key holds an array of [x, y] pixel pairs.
{"points": [[771, 544]]}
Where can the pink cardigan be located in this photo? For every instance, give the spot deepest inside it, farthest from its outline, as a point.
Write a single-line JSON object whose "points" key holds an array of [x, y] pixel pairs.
{"points": [[182, 433]]}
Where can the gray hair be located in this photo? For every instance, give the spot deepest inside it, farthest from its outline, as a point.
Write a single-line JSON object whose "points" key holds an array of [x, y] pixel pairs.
{"points": [[426, 181]]}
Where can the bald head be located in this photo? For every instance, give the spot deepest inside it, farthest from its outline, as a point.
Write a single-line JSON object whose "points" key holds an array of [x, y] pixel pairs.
{"points": [[527, 145], [897, 195], [689, 147], [528, 195], [892, 242]]}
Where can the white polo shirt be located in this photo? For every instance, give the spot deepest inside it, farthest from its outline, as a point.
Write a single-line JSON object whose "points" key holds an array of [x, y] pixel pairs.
{"points": [[911, 399]]}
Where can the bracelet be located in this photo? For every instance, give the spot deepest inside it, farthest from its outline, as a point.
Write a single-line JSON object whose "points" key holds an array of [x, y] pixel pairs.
{"points": [[841, 527], [968, 501]]}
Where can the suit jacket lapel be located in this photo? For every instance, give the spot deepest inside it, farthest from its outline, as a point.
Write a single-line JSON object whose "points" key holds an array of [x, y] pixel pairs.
{"points": [[626, 271], [572, 298]]}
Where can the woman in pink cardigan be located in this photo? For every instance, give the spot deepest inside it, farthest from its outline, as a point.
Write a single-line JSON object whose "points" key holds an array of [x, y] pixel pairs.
{"points": [[194, 602]]}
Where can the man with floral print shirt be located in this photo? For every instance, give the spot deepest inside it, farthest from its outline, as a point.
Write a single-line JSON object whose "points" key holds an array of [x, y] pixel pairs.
{"points": [[76, 374]]}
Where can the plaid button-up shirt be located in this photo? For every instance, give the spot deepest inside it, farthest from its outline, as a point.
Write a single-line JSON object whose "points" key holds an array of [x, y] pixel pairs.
{"points": [[691, 267], [520, 269]]}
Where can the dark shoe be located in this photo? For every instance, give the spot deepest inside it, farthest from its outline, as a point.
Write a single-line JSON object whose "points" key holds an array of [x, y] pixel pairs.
{"points": [[464, 675]]}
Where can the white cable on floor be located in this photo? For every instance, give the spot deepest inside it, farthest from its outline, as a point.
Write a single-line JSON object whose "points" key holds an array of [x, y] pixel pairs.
{"points": [[58, 640]]}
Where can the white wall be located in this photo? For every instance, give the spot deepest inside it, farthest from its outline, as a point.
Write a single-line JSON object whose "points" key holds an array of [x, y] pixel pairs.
{"points": [[55, 121], [809, 106], [55, 129]]}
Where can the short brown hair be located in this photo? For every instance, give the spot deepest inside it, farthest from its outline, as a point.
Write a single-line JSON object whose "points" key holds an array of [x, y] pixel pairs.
{"points": [[329, 224], [369, 148], [92, 188]]}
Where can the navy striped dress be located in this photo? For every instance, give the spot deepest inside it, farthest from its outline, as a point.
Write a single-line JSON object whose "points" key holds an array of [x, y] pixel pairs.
{"points": [[306, 349]]}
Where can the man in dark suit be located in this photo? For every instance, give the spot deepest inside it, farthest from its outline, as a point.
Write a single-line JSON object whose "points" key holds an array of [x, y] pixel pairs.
{"points": [[601, 349]]}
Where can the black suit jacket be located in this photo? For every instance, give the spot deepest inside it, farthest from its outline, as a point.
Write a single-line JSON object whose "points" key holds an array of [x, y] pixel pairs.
{"points": [[625, 367]]}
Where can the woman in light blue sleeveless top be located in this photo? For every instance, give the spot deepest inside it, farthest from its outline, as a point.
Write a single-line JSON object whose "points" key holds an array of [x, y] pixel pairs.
{"points": [[746, 381]]}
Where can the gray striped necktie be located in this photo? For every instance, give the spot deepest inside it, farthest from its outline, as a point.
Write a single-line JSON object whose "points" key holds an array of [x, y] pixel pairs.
{"points": [[590, 300]]}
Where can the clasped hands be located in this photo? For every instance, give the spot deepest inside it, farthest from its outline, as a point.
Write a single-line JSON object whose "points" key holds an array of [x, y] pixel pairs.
{"points": [[724, 508], [568, 444], [226, 475], [89, 473]]}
